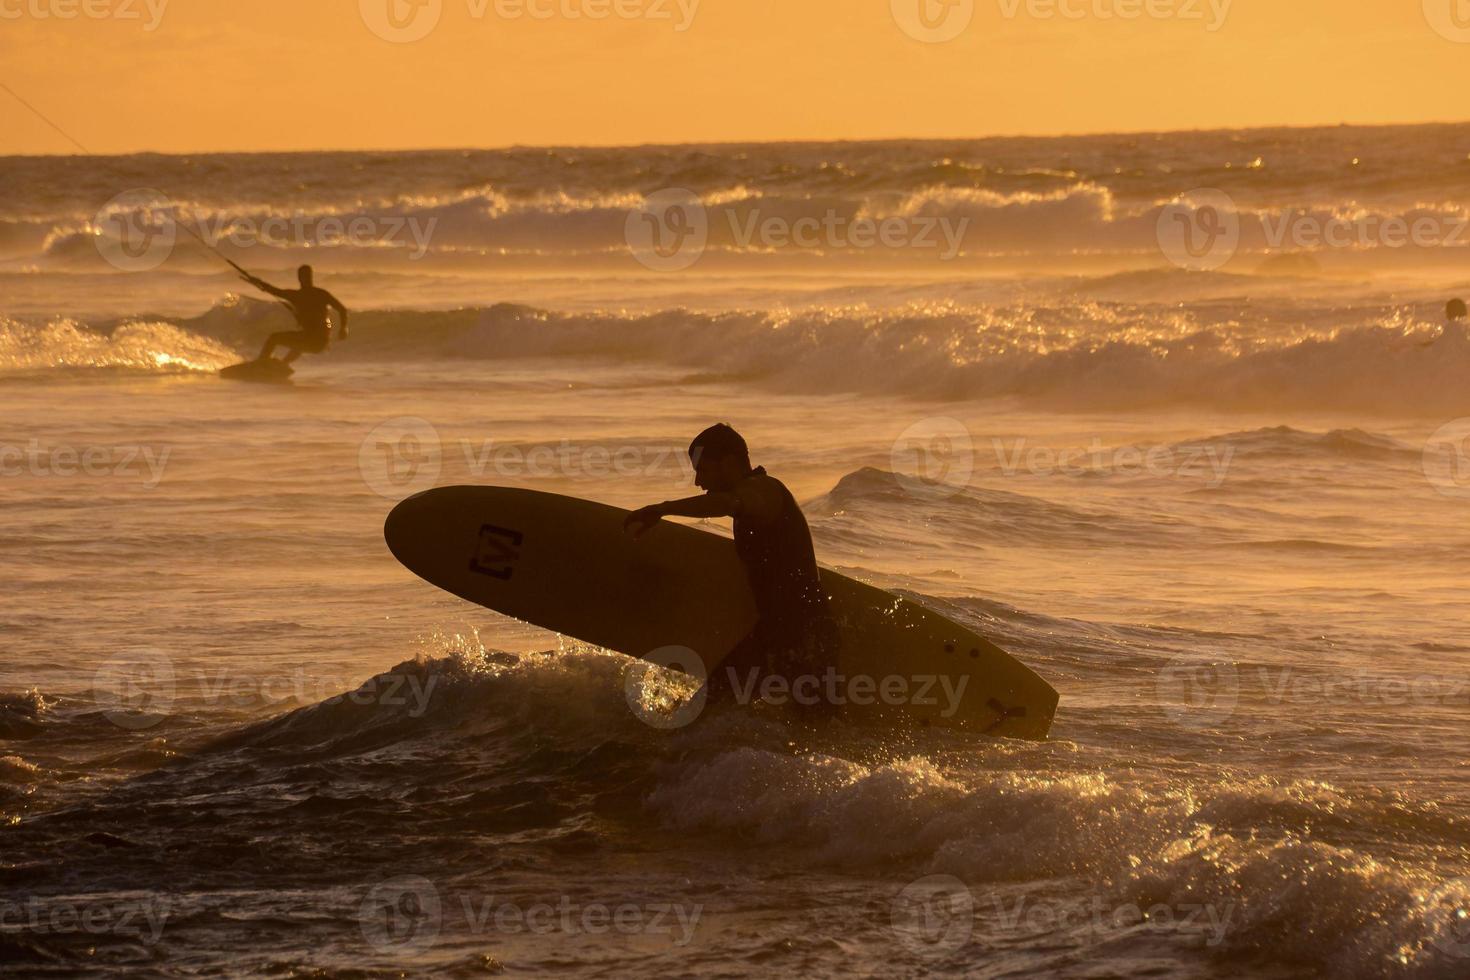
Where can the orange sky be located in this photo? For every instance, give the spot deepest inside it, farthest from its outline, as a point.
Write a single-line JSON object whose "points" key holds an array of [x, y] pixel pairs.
{"points": [[192, 75]]}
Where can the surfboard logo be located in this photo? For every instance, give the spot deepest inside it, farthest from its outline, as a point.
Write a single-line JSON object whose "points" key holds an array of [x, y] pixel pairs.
{"points": [[498, 551]]}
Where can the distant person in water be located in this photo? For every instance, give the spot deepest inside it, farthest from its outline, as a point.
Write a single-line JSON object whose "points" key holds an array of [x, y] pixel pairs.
{"points": [[1455, 313], [795, 636], [310, 305]]}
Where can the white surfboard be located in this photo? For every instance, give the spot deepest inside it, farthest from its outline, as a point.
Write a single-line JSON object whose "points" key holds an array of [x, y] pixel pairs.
{"points": [[566, 565]]}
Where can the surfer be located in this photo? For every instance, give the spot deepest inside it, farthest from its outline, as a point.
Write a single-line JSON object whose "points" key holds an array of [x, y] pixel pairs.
{"points": [[795, 635], [309, 304], [1454, 312]]}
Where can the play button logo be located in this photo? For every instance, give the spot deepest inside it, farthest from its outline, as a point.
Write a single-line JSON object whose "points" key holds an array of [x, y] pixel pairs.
{"points": [[401, 21]]}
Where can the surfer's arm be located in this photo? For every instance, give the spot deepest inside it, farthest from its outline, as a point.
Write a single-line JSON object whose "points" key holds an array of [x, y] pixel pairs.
{"points": [[264, 286], [336, 304], [704, 506]]}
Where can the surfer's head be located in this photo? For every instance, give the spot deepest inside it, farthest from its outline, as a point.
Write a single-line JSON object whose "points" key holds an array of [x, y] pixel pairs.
{"points": [[1455, 310], [303, 274], [721, 458]]}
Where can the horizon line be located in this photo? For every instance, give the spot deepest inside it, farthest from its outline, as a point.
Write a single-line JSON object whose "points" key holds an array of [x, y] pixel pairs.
{"points": [[508, 147]]}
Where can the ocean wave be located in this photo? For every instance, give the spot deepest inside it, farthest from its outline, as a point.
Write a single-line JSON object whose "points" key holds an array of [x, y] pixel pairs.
{"points": [[1088, 355], [952, 216], [472, 743], [62, 346]]}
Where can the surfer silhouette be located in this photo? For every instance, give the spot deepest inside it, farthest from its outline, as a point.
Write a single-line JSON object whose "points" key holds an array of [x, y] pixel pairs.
{"points": [[795, 635], [310, 306], [1454, 312]]}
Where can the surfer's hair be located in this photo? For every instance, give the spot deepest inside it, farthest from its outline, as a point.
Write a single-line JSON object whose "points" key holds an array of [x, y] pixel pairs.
{"points": [[717, 442], [1455, 309], [304, 273]]}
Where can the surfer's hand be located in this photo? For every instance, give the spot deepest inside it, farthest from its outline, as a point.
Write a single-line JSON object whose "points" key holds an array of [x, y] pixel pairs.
{"points": [[342, 334], [640, 521]]}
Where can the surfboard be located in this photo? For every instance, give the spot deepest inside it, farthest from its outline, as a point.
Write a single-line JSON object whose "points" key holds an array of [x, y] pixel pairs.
{"points": [[270, 371], [566, 565]]}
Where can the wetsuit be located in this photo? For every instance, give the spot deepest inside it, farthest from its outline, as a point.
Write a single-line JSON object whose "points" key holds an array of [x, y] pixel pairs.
{"points": [[310, 304], [794, 634]]}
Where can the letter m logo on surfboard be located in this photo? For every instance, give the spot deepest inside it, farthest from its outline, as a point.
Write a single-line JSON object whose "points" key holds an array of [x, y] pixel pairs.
{"points": [[498, 551]]}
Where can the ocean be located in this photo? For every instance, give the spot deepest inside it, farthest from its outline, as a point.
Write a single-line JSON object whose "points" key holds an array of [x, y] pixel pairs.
{"points": [[1211, 487]]}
